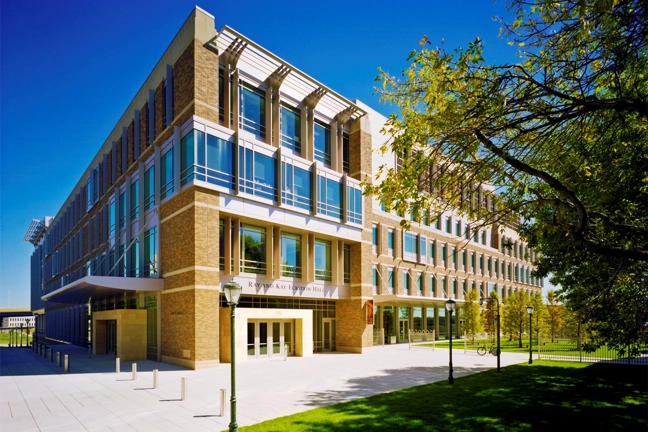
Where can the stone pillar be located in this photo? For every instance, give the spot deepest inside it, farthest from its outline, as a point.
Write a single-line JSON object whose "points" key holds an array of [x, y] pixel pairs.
{"points": [[190, 301]]}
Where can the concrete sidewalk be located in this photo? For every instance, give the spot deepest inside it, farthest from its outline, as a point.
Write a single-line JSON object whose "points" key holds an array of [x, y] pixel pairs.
{"points": [[38, 396]]}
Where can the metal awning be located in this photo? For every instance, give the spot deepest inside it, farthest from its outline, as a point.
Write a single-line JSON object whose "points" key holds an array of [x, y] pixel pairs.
{"points": [[80, 291], [407, 299]]}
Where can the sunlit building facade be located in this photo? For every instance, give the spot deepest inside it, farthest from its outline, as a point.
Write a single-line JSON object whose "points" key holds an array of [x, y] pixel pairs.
{"points": [[231, 164]]}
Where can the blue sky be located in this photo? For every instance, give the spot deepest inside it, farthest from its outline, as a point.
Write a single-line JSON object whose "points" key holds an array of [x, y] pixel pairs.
{"points": [[70, 68]]}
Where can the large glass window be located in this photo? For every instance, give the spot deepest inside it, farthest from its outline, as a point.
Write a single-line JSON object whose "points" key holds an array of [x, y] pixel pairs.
{"points": [[221, 244], [347, 263], [121, 265], [149, 188], [296, 186], [111, 218], [329, 197], [290, 129], [390, 242], [134, 200], [390, 279], [252, 111], [374, 238], [257, 174], [166, 174], [220, 162], [323, 144], [207, 158], [410, 249], [122, 210], [354, 205], [323, 260], [433, 252], [187, 158], [253, 249], [150, 252], [346, 144], [406, 281], [291, 264], [134, 259]]}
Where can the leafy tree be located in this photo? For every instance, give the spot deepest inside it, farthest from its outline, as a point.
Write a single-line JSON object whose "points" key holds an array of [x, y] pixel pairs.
{"points": [[556, 142], [516, 318], [554, 314], [471, 313], [490, 315]]}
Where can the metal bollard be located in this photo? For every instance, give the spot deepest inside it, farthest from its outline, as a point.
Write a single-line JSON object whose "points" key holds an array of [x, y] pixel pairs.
{"points": [[58, 359], [285, 351], [222, 402], [134, 370], [183, 388], [66, 363], [117, 365], [155, 371]]}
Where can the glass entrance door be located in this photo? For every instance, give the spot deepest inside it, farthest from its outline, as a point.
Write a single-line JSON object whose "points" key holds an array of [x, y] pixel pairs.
{"points": [[275, 338], [328, 336], [251, 339], [111, 337], [403, 333], [269, 338], [263, 338]]}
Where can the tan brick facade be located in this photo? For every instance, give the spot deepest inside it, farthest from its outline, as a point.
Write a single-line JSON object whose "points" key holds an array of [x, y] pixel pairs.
{"points": [[192, 328]]}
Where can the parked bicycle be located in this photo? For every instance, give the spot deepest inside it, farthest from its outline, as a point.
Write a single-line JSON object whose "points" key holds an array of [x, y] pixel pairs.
{"points": [[491, 349]]}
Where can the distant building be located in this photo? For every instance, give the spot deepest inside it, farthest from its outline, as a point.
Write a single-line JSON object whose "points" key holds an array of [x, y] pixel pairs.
{"points": [[27, 321], [16, 317], [231, 164]]}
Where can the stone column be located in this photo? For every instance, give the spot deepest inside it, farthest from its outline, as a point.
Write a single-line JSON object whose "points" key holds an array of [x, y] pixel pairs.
{"points": [[190, 300]]}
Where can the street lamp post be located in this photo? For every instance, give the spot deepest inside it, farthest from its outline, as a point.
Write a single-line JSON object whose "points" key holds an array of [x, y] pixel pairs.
{"points": [[530, 312], [450, 307], [499, 351], [232, 294]]}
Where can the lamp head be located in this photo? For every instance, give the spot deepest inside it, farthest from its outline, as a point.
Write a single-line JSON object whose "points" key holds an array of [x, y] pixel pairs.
{"points": [[233, 292], [529, 310], [481, 301], [450, 305]]}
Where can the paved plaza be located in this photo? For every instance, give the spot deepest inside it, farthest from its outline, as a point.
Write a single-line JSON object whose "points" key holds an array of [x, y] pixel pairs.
{"points": [[38, 396]]}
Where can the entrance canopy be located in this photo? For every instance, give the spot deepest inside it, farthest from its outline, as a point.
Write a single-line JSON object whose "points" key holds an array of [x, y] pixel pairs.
{"points": [[80, 291], [396, 299]]}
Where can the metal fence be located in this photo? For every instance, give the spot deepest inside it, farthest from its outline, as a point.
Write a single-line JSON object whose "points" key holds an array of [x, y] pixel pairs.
{"points": [[580, 350]]}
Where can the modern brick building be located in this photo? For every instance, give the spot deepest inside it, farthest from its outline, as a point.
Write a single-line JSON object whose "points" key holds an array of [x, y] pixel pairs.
{"points": [[230, 164]]}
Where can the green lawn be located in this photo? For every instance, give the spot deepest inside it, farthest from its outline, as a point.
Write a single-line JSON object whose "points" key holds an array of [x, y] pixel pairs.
{"points": [[547, 395], [4, 337]]}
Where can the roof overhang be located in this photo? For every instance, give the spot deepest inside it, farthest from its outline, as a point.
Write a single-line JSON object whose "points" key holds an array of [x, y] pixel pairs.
{"points": [[411, 300], [80, 291]]}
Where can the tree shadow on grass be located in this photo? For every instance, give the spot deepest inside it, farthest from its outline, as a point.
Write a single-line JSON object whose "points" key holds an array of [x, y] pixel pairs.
{"points": [[541, 397], [393, 379]]}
